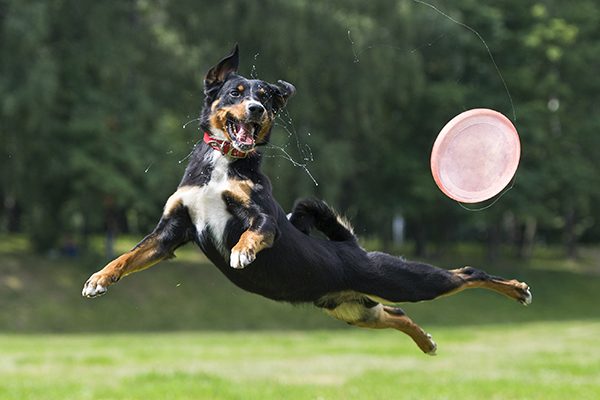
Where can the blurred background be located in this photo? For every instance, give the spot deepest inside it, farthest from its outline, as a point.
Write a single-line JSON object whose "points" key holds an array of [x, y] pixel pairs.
{"points": [[99, 100]]}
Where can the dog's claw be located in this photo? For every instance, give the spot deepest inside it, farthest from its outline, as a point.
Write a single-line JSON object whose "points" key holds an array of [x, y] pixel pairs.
{"points": [[241, 259]]}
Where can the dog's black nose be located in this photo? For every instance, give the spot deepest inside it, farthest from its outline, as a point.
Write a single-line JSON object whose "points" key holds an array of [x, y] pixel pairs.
{"points": [[255, 109]]}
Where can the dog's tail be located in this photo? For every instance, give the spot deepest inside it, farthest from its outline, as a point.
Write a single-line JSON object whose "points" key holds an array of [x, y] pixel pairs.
{"points": [[314, 213]]}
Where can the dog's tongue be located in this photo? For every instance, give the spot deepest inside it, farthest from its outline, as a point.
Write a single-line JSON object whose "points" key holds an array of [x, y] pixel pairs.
{"points": [[244, 134]]}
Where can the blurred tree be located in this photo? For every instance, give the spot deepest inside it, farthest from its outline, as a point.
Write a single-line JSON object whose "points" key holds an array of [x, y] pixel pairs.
{"points": [[561, 181], [81, 91], [93, 96]]}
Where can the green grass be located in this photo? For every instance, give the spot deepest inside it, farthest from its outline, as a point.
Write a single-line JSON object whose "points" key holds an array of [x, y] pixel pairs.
{"points": [[550, 360], [247, 347]]}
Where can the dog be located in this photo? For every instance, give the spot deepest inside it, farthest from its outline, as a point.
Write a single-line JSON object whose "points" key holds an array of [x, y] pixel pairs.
{"points": [[224, 204]]}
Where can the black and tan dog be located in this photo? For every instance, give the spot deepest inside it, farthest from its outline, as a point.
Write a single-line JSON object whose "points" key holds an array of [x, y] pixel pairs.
{"points": [[224, 204]]}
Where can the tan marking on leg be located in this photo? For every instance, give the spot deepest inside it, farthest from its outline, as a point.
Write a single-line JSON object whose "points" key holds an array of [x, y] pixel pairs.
{"points": [[142, 256], [246, 249], [254, 242], [389, 317], [381, 317], [511, 288], [240, 190], [404, 324]]}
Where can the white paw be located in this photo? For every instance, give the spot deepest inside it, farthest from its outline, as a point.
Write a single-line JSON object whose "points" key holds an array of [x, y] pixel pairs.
{"points": [[240, 259], [96, 286], [527, 298], [433, 350], [91, 289]]}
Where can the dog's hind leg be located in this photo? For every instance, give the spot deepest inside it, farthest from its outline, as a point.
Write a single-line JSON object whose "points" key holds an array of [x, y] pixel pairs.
{"points": [[174, 229], [359, 310], [396, 280], [313, 213], [394, 317]]}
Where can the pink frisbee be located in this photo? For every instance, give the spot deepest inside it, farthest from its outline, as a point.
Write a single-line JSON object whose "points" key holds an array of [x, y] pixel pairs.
{"points": [[475, 155]]}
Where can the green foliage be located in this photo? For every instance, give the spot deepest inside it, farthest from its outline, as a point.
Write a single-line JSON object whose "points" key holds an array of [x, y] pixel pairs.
{"points": [[93, 97]]}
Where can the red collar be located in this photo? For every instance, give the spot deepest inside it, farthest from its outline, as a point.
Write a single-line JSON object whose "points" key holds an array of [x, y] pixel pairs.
{"points": [[224, 146]]}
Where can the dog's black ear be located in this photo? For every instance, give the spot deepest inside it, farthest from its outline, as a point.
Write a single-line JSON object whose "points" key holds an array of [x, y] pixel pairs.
{"points": [[219, 73], [283, 91]]}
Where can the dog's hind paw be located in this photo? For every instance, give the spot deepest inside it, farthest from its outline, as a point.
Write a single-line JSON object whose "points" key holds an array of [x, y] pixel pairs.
{"points": [[432, 348], [525, 296], [241, 258]]}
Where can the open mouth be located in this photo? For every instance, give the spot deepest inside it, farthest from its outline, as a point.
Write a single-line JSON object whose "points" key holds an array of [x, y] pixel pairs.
{"points": [[242, 134]]}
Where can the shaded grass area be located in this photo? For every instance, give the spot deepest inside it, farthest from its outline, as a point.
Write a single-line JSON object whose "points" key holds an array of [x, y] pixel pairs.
{"points": [[39, 294], [254, 348], [546, 360]]}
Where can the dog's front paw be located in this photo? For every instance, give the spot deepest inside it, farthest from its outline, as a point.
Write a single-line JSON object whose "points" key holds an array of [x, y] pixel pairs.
{"points": [[240, 257], [97, 285]]}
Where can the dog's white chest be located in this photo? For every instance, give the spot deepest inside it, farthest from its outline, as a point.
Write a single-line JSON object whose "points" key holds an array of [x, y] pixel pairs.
{"points": [[205, 204]]}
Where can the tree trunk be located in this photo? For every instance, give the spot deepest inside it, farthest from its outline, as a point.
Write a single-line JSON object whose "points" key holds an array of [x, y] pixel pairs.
{"points": [[12, 211], [420, 241], [526, 238], [493, 242], [570, 234], [110, 222]]}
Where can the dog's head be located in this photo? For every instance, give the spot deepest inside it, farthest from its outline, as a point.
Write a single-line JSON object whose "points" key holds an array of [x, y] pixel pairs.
{"points": [[239, 110]]}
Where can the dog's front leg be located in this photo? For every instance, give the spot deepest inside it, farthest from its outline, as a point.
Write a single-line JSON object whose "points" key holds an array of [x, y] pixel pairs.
{"points": [[174, 229], [261, 233]]}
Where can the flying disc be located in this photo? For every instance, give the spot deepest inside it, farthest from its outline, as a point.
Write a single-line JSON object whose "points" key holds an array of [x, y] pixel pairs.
{"points": [[475, 155]]}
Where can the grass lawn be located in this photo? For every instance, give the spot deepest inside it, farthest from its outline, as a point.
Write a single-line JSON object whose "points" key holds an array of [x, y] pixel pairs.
{"points": [[224, 343], [544, 360]]}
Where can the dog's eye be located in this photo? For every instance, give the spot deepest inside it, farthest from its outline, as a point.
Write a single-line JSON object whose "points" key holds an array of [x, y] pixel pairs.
{"points": [[234, 93], [262, 95]]}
